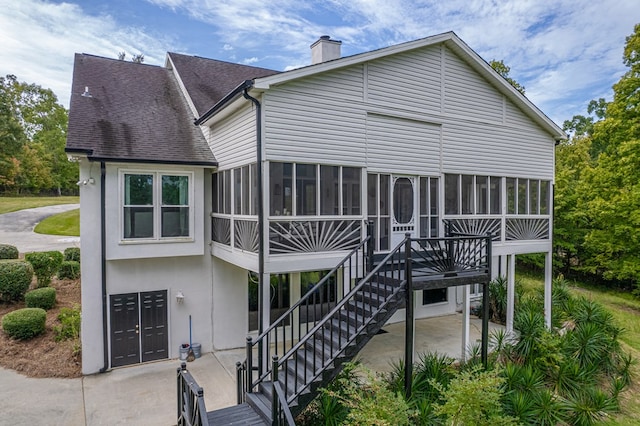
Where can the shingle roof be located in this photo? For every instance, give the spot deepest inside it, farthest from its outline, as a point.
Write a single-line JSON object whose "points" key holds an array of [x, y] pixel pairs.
{"points": [[136, 113], [208, 80]]}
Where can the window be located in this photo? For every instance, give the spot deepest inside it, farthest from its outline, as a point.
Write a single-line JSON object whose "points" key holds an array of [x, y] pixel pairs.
{"points": [[527, 196], [437, 295], [314, 189], [451, 194], [156, 205]]}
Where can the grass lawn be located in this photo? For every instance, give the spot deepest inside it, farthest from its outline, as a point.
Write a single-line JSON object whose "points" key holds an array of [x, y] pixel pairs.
{"points": [[625, 308], [67, 223], [12, 204]]}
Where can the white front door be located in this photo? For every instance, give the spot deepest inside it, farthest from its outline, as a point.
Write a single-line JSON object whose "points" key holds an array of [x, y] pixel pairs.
{"points": [[404, 205]]}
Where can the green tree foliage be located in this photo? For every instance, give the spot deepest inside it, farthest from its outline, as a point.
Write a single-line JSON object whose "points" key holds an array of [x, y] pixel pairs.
{"points": [[503, 70], [33, 130], [597, 210]]}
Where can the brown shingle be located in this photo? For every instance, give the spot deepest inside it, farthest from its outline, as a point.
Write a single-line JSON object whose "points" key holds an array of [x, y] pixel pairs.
{"points": [[208, 80], [136, 112]]}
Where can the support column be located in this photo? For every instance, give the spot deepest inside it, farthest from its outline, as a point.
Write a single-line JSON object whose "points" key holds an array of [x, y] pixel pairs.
{"points": [[503, 265], [548, 281], [511, 288], [466, 290], [265, 315], [409, 333]]}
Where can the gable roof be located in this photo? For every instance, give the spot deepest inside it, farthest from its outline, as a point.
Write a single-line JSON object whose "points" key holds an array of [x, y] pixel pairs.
{"points": [[136, 113], [450, 40], [207, 81]]}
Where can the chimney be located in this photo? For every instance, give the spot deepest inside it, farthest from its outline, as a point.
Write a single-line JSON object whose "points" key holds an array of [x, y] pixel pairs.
{"points": [[325, 49]]}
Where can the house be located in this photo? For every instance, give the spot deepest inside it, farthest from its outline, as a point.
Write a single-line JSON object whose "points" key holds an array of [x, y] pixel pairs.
{"points": [[214, 189]]}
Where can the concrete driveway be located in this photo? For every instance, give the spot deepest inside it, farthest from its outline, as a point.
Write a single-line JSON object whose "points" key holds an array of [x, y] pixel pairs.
{"points": [[16, 228]]}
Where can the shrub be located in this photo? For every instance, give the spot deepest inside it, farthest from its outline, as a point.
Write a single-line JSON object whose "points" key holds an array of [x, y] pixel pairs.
{"points": [[69, 327], [8, 251], [15, 278], [72, 253], [45, 265], [43, 298], [24, 323], [69, 269]]}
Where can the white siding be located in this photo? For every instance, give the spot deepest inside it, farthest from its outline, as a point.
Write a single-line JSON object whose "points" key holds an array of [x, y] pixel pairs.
{"points": [[233, 140], [402, 146], [501, 151], [468, 94], [345, 84], [410, 81], [425, 112], [313, 129]]}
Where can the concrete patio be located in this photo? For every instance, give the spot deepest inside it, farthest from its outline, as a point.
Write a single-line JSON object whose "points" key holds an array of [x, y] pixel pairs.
{"points": [[146, 394]]}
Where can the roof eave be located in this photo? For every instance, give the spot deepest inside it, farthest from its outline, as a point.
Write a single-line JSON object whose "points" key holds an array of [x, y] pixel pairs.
{"points": [[224, 101]]}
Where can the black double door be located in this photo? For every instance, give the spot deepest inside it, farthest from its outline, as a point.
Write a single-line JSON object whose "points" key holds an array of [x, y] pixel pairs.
{"points": [[138, 327]]}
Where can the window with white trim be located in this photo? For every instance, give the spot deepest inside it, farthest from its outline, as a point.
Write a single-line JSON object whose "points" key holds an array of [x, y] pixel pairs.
{"points": [[156, 205]]}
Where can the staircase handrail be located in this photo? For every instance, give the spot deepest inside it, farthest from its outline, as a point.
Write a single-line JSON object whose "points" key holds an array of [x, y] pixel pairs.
{"points": [[327, 317], [310, 292]]}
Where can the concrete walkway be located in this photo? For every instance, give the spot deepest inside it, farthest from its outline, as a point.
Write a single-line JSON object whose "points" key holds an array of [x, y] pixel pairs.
{"points": [[16, 228], [146, 394]]}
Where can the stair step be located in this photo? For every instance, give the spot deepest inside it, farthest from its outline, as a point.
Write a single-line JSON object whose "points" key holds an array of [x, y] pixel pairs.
{"points": [[261, 403], [243, 414]]}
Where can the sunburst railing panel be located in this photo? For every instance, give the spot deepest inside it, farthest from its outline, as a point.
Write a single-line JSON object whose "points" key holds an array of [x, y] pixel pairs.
{"points": [[246, 235], [313, 235], [475, 226], [221, 230], [527, 229]]}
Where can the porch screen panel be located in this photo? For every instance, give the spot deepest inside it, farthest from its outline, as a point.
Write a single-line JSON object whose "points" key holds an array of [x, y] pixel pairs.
{"points": [[544, 197], [138, 206], [482, 195], [329, 181], [351, 177], [523, 190], [433, 206], [534, 196], [280, 189], [511, 196], [495, 194], [467, 194], [451, 194], [245, 190], [306, 190], [385, 216]]}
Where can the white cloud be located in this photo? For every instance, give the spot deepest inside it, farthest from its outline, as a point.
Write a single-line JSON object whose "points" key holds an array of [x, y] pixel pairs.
{"points": [[227, 47], [40, 39], [249, 61]]}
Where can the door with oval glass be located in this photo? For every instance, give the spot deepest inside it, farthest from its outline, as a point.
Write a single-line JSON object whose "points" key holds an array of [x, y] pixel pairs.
{"points": [[404, 208]]}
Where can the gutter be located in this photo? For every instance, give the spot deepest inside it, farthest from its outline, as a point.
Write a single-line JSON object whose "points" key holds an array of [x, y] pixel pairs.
{"points": [[103, 267], [241, 89], [246, 85]]}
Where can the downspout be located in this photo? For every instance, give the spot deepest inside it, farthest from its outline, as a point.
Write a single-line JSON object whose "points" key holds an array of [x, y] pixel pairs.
{"points": [[246, 95], [103, 268]]}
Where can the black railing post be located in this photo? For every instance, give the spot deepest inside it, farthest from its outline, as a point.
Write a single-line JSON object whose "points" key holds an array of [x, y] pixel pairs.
{"points": [[183, 366], [485, 307], [249, 364], [239, 382], [370, 246], [408, 338], [275, 408]]}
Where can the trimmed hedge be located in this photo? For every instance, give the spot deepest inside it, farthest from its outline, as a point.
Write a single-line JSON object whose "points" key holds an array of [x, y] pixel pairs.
{"points": [[45, 265], [44, 298], [8, 251], [69, 269], [24, 323], [72, 254], [15, 279]]}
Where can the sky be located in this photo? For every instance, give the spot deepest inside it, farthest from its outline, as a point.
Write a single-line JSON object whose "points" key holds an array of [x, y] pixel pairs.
{"points": [[564, 52]]}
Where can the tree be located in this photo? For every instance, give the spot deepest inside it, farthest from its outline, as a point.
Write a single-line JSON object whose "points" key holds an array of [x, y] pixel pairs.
{"points": [[598, 181], [503, 70], [30, 117]]}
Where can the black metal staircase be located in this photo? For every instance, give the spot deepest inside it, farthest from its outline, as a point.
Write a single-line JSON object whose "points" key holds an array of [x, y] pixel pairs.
{"points": [[305, 348]]}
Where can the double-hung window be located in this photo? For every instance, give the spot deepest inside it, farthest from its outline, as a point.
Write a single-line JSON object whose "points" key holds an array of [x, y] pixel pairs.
{"points": [[157, 205]]}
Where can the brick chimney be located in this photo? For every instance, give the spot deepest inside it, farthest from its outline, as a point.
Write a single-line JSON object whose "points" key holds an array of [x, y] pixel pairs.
{"points": [[325, 49]]}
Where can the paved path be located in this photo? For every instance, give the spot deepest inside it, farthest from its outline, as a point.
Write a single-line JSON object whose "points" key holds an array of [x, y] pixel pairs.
{"points": [[16, 228]]}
